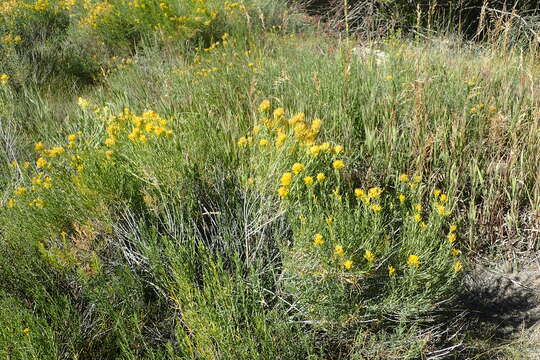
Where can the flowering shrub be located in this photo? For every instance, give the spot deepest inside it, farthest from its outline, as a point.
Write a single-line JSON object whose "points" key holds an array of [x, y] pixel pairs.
{"points": [[78, 37], [71, 184], [356, 253]]}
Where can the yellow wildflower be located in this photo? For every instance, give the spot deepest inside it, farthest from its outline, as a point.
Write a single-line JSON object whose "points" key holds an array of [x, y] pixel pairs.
{"points": [[241, 142], [314, 150], [82, 102], [374, 192], [413, 260], [297, 168], [72, 137], [338, 250], [39, 146], [401, 198], [283, 192], [58, 150], [418, 217], [321, 177], [457, 266], [418, 207], [298, 118], [329, 220], [338, 149], [391, 270], [389, 77], [263, 142], [149, 127], [39, 203], [368, 255], [286, 179], [436, 193], [441, 209], [453, 228], [110, 141], [451, 237], [36, 180], [318, 239], [264, 105], [41, 163], [4, 78], [423, 225], [316, 125], [20, 191], [455, 252], [404, 177], [338, 164], [376, 207], [278, 113], [443, 198], [417, 178], [26, 331], [308, 180], [281, 137], [325, 146], [348, 264], [10, 203], [359, 193]]}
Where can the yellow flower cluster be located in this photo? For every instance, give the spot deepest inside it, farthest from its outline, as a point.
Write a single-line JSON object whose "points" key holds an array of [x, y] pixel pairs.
{"points": [[413, 260], [366, 197], [476, 108], [231, 7], [440, 199], [139, 128], [405, 178], [282, 139], [276, 130], [4, 78], [15, 6], [95, 12], [164, 17], [10, 39], [451, 236]]}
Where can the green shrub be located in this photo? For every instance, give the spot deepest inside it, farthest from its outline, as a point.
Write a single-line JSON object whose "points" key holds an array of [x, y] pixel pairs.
{"points": [[24, 335], [41, 45], [355, 255]]}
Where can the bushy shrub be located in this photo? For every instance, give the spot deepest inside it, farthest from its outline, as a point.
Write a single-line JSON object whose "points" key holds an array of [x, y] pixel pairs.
{"points": [[74, 40], [39, 43], [356, 255]]}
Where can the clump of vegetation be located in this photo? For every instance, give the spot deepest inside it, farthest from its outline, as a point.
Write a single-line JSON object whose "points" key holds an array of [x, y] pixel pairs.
{"points": [[226, 186]]}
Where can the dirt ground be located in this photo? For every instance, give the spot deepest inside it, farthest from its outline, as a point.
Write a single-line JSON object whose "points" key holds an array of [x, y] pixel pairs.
{"points": [[503, 301]]}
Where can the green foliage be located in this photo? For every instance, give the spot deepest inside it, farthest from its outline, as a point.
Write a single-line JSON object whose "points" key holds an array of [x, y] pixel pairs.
{"points": [[66, 41], [24, 336], [142, 217]]}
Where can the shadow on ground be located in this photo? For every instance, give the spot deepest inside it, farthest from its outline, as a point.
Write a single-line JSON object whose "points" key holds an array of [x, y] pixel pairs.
{"points": [[506, 303], [501, 308]]}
